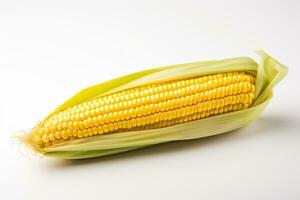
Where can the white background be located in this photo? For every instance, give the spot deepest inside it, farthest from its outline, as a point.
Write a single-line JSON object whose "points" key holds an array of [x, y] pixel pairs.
{"points": [[51, 49]]}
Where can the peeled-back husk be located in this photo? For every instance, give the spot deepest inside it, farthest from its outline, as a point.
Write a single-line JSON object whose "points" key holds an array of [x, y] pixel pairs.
{"points": [[268, 73]]}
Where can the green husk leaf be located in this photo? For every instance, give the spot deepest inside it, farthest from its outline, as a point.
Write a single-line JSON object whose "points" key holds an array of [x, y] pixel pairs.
{"points": [[269, 72]]}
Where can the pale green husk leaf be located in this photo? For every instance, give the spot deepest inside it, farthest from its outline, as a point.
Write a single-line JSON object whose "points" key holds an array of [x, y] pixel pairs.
{"points": [[269, 72]]}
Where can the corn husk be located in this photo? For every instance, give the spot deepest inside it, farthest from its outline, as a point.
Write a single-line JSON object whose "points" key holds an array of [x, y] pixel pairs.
{"points": [[268, 73]]}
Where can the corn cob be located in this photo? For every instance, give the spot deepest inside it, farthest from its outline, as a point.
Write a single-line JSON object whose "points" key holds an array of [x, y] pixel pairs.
{"points": [[152, 106], [149, 106]]}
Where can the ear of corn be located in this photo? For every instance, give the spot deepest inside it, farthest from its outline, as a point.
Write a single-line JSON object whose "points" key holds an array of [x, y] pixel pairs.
{"points": [[164, 104]]}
